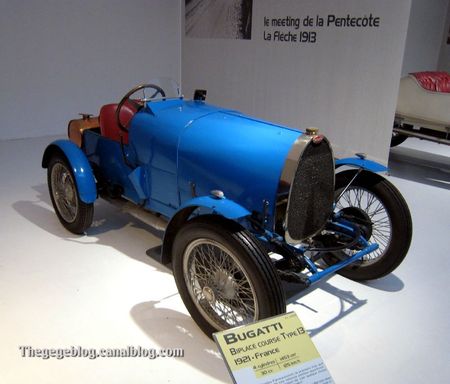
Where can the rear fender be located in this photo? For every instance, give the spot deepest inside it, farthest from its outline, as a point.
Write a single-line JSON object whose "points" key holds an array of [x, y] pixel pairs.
{"points": [[82, 171], [222, 207]]}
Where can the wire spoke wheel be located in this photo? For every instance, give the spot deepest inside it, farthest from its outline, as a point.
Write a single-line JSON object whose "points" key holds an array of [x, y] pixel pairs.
{"points": [[74, 214], [223, 275], [375, 211], [384, 219], [218, 284], [64, 192]]}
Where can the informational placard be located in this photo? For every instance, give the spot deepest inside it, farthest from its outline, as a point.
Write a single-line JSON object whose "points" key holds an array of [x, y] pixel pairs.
{"points": [[277, 350]]}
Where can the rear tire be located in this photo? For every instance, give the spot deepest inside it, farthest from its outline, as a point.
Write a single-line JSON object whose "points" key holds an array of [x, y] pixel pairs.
{"points": [[75, 215], [391, 224], [398, 138], [223, 276]]}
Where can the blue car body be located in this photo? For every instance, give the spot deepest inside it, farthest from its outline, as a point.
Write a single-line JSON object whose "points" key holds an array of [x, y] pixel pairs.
{"points": [[185, 158], [245, 205]]}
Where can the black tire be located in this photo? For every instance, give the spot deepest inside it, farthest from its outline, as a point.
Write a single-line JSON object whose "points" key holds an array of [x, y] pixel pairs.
{"points": [[391, 225], [397, 139], [75, 215], [223, 276]]}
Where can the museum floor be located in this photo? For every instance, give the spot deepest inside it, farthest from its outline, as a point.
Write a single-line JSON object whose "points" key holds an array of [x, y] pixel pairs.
{"points": [[103, 291]]}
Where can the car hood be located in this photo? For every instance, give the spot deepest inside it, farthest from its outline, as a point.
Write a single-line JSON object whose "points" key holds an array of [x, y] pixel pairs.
{"points": [[202, 148], [239, 155]]}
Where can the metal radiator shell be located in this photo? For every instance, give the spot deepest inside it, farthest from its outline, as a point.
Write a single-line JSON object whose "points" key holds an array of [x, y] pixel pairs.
{"points": [[309, 170]]}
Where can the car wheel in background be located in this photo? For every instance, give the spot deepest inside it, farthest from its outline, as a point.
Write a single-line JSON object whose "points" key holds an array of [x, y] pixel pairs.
{"points": [[397, 138]]}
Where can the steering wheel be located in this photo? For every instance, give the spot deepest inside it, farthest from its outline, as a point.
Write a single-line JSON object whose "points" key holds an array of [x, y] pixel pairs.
{"points": [[137, 103]]}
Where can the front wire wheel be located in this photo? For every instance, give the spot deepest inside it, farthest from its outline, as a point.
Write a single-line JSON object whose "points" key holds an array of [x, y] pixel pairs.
{"points": [[219, 286], [75, 215], [373, 210], [224, 277], [375, 201]]}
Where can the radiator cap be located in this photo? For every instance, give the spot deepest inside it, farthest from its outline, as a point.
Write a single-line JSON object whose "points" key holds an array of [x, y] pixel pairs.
{"points": [[312, 131]]}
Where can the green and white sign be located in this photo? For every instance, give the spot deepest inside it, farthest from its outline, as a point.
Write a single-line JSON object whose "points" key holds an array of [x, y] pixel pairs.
{"points": [[272, 351]]}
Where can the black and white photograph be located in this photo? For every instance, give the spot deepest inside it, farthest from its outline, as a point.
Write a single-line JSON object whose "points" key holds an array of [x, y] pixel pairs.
{"points": [[219, 19]]}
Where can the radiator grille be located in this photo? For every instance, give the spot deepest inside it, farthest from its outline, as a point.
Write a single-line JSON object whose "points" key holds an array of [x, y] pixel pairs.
{"points": [[312, 192]]}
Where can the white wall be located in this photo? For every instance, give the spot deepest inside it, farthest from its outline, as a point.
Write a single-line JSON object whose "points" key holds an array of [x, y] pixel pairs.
{"points": [[346, 84], [444, 59], [62, 57], [424, 37]]}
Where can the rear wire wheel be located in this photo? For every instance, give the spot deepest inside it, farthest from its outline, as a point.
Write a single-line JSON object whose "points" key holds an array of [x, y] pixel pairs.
{"points": [[75, 215], [223, 276], [372, 198]]}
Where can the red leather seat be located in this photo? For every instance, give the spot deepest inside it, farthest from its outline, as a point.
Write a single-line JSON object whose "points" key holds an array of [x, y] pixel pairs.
{"points": [[433, 81], [108, 122]]}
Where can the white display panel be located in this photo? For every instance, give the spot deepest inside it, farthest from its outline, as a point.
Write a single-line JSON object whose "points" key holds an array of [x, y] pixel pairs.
{"points": [[60, 58], [342, 79]]}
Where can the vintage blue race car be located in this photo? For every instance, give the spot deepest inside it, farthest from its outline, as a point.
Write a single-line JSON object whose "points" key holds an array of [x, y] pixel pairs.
{"points": [[246, 204]]}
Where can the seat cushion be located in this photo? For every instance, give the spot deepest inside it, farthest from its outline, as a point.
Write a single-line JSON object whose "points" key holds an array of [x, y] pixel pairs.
{"points": [[108, 122], [433, 81]]}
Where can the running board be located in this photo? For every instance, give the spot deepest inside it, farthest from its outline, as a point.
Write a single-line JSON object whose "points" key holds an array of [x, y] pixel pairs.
{"points": [[153, 220]]}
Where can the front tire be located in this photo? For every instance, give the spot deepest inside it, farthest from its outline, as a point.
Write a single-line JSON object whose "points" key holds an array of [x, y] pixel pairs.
{"points": [[390, 223], [75, 215], [223, 276]]}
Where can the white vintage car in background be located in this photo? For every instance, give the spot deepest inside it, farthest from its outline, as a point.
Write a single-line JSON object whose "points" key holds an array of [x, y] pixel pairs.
{"points": [[423, 108]]}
